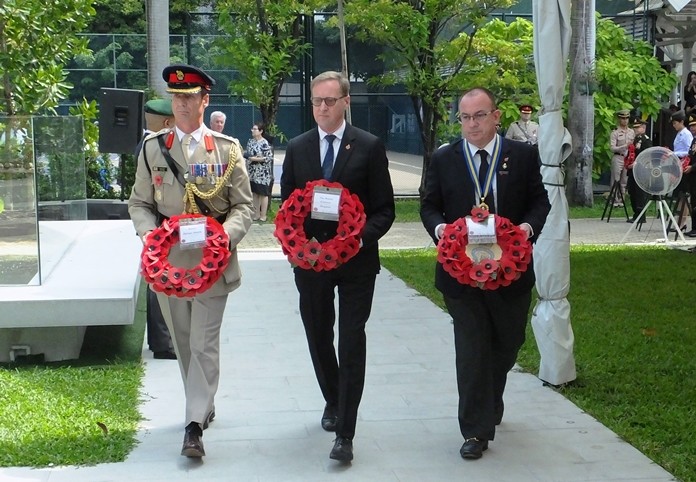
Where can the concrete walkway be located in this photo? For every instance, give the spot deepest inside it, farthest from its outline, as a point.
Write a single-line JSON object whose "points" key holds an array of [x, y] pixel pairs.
{"points": [[269, 406]]}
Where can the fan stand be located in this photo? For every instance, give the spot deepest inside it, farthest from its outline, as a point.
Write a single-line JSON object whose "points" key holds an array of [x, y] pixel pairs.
{"points": [[614, 194], [662, 207]]}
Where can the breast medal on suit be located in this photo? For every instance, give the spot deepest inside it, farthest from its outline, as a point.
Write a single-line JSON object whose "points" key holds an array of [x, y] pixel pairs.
{"points": [[484, 315], [361, 166], [194, 323]]}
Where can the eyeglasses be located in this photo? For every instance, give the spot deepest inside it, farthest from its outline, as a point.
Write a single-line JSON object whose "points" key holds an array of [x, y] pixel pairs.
{"points": [[478, 117], [329, 101]]}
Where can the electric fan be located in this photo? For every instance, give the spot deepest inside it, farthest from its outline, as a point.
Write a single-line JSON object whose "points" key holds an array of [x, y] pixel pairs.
{"points": [[657, 171]]}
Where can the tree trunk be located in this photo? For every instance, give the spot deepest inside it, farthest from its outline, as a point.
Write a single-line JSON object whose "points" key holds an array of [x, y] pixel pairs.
{"points": [[581, 109], [157, 12]]}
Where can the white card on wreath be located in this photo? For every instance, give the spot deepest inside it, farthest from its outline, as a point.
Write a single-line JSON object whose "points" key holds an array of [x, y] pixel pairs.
{"points": [[325, 203], [482, 232]]}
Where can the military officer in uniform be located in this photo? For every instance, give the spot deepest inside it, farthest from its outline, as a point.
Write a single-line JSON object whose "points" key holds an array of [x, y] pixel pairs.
{"points": [[171, 163], [525, 129], [640, 143], [619, 140]]}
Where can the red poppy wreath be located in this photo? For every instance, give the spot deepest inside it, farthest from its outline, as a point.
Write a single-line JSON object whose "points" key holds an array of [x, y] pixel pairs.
{"points": [[494, 265], [178, 281], [310, 253]]}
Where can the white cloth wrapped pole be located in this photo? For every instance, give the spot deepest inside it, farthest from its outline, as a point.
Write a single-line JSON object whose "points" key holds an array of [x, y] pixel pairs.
{"points": [[551, 315]]}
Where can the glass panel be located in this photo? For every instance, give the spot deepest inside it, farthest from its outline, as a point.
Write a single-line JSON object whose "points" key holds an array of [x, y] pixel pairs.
{"points": [[42, 177], [19, 240], [60, 168]]}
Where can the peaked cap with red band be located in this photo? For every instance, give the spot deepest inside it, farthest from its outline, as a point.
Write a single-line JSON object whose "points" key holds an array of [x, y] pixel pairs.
{"points": [[186, 79], [526, 109]]}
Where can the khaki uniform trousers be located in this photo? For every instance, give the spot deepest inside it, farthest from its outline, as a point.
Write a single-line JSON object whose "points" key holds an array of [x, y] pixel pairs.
{"points": [[194, 324]]}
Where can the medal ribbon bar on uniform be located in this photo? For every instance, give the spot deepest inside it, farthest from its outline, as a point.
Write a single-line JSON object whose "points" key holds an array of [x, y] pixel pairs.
{"points": [[482, 191], [205, 170]]}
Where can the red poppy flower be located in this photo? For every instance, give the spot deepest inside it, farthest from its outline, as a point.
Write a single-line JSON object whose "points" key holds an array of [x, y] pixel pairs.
{"points": [[508, 268], [489, 266], [176, 275], [479, 214], [328, 259], [502, 224], [477, 273]]}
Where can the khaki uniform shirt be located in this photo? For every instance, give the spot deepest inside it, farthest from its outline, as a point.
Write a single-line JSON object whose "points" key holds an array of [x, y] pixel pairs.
{"points": [[523, 132], [619, 141]]}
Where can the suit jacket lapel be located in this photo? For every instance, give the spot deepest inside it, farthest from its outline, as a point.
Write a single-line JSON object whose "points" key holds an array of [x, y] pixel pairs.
{"points": [[344, 151], [312, 155], [502, 176]]}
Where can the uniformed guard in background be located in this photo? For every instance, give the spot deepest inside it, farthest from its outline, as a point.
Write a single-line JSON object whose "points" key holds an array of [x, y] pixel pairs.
{"points": [[173, 164], [158, 116], [525, 129]]}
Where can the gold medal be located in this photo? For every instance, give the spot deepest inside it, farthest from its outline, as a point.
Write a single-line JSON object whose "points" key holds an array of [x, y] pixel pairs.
{"points": [[483, 205], [158, 195], [199, 179]]}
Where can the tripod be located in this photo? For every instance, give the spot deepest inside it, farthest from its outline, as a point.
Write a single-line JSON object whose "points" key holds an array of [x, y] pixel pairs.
{"points": [[680, 204], [614, 193], [662, 207]]}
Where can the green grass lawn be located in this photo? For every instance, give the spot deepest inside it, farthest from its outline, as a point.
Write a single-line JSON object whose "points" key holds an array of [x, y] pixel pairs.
{"points": [[75, 413], [635, 335]]}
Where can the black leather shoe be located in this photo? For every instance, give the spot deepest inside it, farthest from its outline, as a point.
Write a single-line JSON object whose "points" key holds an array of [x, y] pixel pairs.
{"points": [[329, 419], [209, 419], [193, 445], [691, 234], [473, 448], [164, 355], [342, 449]]}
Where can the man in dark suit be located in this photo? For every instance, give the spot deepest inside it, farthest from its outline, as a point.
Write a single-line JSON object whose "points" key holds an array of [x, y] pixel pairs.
{"points": [[489, 325], [360, 164]]}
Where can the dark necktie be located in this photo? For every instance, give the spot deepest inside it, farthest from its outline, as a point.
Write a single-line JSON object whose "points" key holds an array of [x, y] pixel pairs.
{"points": [[482, 173], [327, 165]]}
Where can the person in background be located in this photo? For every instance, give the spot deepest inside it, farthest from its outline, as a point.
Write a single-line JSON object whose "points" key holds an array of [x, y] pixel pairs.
{"points": [[637, 196], [259, 156], [158, 116], [217, 121], [169, 163], [619, 140], [339, 152], [690, 93], [525, 129], [681, 145], [690, 175], [489, 325]]}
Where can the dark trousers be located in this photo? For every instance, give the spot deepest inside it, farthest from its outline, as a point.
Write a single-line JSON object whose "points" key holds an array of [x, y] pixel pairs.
{"points": [[489, 330], [158, 338], [341, 379], [637, 196]]}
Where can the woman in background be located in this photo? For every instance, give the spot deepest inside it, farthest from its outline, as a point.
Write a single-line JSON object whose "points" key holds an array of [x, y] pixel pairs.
{"points": [[260, 166]]}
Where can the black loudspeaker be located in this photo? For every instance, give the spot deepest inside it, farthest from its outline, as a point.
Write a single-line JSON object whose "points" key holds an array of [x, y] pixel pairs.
{"points": [[120, 120]]}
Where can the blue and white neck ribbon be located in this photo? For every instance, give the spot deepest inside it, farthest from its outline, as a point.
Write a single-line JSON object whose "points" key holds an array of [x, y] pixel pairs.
{"points": [[482, 191]]}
